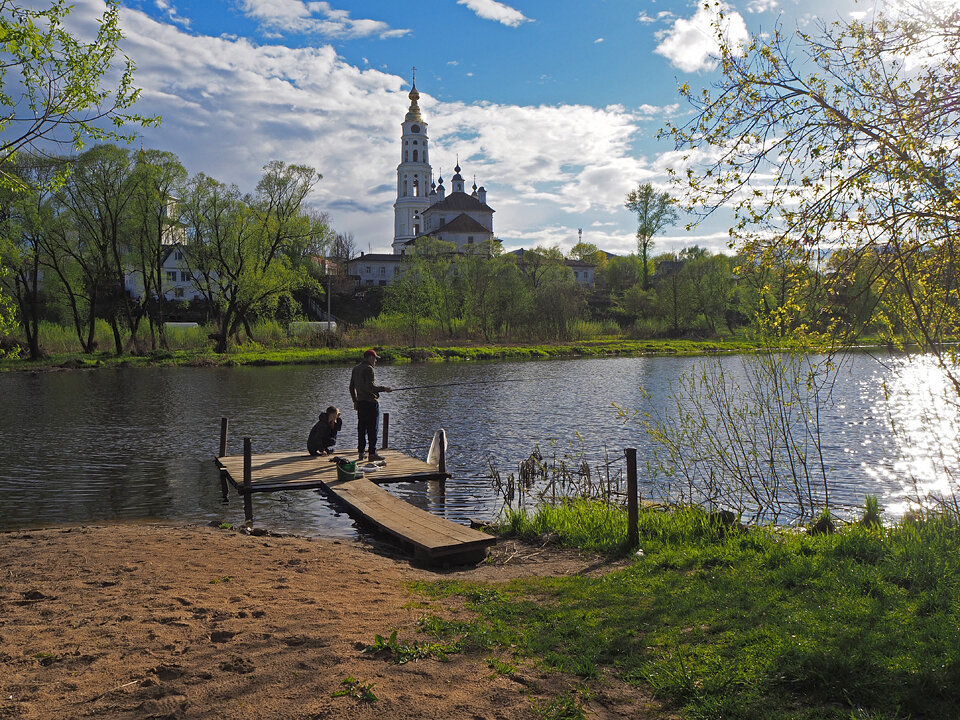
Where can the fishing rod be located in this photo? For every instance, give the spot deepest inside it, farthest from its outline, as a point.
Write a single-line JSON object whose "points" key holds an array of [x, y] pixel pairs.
{"points": [[473, 382]]}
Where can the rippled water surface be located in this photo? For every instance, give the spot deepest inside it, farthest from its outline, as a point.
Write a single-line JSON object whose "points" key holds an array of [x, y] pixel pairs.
{"points": [[88, 446]]}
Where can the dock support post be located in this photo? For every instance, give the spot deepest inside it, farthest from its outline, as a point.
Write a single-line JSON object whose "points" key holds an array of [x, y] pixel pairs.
{"points": [[443, 460], [223, 437], [224, 491], [633, 532], [386, 431], [247, 475]]}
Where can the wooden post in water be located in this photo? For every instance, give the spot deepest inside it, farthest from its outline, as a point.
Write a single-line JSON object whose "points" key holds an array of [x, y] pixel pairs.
{"points": [[247, 475], [386, 431], [223, 437], [633, 516], [442, 467]]}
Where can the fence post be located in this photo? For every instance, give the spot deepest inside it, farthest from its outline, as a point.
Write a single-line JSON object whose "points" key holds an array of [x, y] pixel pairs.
{"points": [[633, 518], [247, 474], [223, 437], [386, 431]]}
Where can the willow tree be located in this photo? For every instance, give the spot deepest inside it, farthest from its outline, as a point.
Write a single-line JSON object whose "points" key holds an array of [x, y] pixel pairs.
{"points": [[842, 142]]}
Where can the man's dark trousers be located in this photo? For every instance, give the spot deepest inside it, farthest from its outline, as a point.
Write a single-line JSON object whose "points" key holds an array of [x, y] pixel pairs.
{"points": [[368, 423]]}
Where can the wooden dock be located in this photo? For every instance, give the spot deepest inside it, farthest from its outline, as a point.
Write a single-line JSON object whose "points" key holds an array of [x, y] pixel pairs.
{"points": [[434, 539]]}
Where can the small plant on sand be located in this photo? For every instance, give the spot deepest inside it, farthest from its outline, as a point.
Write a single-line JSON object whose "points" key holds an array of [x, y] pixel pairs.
{"points": [[402, 651], [500, 667], [351, 687], [562, 707]]}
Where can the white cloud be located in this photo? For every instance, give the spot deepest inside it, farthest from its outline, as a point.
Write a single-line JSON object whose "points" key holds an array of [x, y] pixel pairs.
{"points": [[598, 40], [230, 106], [762, 6], [172, 14], [313, 18], [493, 10], [645, 18], [691, 44]]}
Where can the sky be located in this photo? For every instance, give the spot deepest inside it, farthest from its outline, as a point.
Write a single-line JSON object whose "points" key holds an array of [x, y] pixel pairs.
{"points": [[553, 106]]}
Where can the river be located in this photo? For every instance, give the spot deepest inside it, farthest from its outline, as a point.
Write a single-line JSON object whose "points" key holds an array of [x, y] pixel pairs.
{"points": [[137, 444]]}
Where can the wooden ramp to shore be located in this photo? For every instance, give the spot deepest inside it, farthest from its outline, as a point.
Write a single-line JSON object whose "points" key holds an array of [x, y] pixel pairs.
{"points": [[433, 538]]}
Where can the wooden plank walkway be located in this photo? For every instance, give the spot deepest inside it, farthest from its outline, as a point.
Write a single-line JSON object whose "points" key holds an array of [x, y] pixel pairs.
{"points": [[433, 538], [301, 471]]}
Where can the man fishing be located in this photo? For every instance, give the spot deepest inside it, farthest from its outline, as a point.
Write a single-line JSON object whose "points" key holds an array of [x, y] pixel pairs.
{"points": [[366, 395]]}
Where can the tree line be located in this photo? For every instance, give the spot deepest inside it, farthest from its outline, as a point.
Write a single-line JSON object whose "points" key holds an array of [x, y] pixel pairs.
{"points": [[74, 240]]}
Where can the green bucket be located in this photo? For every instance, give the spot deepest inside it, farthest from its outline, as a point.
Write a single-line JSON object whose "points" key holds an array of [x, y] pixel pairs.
{"points": [[346, 469]]}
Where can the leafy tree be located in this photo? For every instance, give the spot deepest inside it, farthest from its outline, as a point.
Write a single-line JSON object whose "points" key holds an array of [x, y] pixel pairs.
{"points": [[620, 273], [99, 196], [25, 218], [436, 261], [53, 87], [851, 130], [536, 264], [674, 298], [412, 295], [245, 248], [710, 282], [654, 210], [588, 252], [159, 181], [557, 301], [495, 294]]}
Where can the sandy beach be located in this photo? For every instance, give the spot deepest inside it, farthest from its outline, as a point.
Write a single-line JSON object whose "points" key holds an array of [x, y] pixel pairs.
{"points": [[176, 621]]}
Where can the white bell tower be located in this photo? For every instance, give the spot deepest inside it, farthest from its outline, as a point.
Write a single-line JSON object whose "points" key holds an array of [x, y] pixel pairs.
{"points": [[414, 176]]}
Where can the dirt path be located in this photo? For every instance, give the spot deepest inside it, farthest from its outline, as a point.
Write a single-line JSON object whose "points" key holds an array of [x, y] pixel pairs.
{"points": [[147, 621]]}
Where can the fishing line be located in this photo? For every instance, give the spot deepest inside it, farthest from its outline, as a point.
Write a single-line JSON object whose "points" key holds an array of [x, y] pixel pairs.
{"points": [[472, 382]]}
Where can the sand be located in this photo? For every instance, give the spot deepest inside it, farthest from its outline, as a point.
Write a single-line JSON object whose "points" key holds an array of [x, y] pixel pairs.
{"points": [[160, 621]]}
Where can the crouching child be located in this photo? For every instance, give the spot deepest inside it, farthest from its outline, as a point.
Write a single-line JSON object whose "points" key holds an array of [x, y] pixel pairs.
{"points": [[323, 435]]}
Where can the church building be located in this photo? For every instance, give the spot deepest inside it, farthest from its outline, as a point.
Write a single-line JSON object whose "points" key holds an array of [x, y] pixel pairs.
{"points": [[460, 218]]}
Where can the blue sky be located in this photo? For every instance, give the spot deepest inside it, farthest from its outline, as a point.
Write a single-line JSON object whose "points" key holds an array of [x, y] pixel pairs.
{"points": [[553, 105]]}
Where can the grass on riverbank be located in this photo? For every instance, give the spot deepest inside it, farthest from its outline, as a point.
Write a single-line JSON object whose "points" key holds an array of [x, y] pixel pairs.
{"points": [[256, 355], [863, 624]]}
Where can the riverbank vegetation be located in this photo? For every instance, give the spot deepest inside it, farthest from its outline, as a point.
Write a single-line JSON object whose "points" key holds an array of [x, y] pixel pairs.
{"points": [[718, 620], [189, 348]]}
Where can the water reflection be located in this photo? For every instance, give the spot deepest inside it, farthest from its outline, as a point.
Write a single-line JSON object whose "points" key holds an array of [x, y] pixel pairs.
{"points": [[138, 443]]}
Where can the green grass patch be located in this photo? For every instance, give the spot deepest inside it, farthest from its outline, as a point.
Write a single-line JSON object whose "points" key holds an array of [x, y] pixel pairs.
{"points": [[274, 352], [763, 623]]}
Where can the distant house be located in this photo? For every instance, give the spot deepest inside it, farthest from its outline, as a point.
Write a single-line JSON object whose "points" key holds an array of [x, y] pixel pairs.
{"points": [[179, 278], [374, 269], [584, 272]]}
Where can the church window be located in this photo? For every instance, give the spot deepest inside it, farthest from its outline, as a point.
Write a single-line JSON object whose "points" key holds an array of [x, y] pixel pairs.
{"points": [[470, 239], [415, 156], [415, 142], [404, 188], [406, 157], [416, 229]]}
